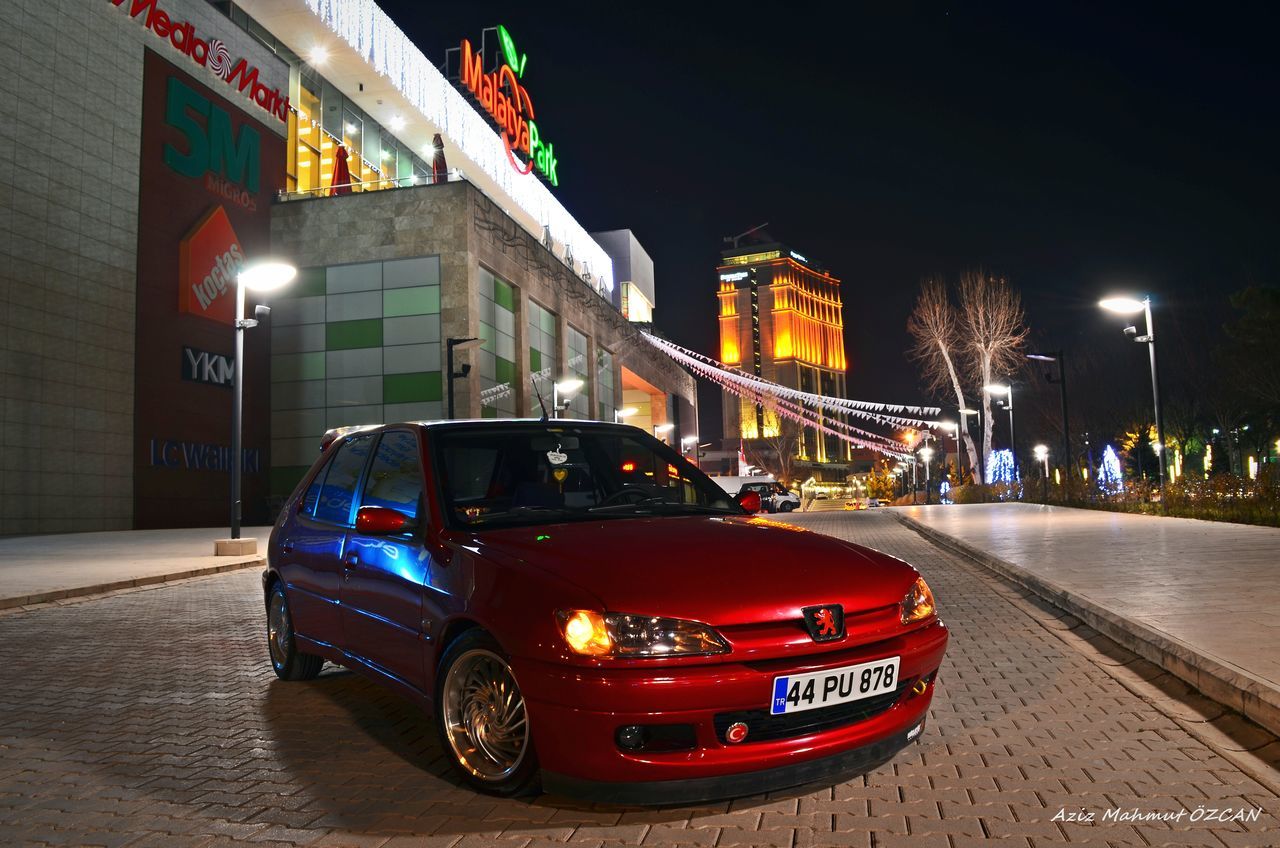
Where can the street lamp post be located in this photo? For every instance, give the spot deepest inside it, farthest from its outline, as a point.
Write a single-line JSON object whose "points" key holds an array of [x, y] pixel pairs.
{"points": [[1132, 306], [927, 453], [1013, 442], [1042, 456], [659, 429], [263, 276], [625, 412], [450, 345], [954, 429], [1060, 359]]}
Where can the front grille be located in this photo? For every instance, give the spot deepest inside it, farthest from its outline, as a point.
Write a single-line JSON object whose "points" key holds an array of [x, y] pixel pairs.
{"points": [[763, 727]]}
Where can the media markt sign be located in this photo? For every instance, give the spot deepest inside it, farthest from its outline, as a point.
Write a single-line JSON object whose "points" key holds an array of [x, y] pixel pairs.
{"points": [[208, 260], [508, 102]]}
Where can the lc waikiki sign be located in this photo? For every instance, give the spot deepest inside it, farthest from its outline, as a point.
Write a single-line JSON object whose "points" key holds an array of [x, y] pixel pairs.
{"points": [[508, 103], [209, 53]]}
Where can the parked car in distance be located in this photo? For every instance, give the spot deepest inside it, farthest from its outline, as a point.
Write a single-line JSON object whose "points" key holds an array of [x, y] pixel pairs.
{"points": [[774, 496], [579, 605]]}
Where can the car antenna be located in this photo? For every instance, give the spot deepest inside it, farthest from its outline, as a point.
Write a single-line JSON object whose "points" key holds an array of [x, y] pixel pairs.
{"points": [[541, 402]]}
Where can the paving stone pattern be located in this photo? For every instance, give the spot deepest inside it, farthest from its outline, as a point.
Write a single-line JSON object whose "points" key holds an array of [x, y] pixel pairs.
{"points": [[153, 719]]}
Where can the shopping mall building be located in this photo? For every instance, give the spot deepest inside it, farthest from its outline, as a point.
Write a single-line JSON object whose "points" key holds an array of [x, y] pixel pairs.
{"points": [[157, 145]]}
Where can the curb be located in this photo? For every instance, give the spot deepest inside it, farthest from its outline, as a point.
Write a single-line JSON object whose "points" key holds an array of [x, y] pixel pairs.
{"points": [[149, 580], [1229, 685]]}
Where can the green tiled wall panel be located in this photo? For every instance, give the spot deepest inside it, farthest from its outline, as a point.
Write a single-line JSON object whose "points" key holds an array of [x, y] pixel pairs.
{"points": [[419, 300], [407, 388], [345, 335]]}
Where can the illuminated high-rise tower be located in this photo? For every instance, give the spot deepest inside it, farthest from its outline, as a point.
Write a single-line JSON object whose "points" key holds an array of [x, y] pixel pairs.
{"points": [[781, 318]]}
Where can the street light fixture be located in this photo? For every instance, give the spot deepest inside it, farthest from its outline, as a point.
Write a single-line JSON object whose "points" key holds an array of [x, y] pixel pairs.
{"points": [[563, 388], [997, 389], [954, 429], [1042, 456], [1060, 359], [1132, 306], [625, 412], [450, 345], [659, 429], [262, 276], [927, 453]]}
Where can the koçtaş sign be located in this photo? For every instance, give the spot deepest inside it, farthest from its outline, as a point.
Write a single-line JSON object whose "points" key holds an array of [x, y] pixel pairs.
{"points": [[209, 53], [208, 260]]}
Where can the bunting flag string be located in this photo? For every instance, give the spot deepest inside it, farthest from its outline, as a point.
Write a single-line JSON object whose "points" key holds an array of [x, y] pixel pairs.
{"points": [[901, 415], [796, 412]]}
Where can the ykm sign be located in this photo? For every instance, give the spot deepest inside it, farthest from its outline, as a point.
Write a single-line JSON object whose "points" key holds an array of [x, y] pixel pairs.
{"points": [[213, 369], [209, 53], [208, 260], [508, 102]]}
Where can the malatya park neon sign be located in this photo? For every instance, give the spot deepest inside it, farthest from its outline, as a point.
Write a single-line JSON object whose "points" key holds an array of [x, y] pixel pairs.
{"points": [[508, 103]]}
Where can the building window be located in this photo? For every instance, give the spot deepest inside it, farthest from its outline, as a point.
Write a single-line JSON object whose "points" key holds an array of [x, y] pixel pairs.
{"points": [[606, 401], [497, 354], [543, 366], [578, 366]]}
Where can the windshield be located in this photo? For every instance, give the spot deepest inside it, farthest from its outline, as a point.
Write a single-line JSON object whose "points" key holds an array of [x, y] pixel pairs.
{"points": [[502, 475]]}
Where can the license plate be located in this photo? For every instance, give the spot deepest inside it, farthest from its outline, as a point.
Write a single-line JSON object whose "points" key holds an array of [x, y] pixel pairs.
{"points": [[798, 692]]}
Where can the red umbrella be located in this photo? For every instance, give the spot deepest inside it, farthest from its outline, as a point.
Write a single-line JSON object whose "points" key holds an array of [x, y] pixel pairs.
{"points": [[341, 173], [439, 170]]}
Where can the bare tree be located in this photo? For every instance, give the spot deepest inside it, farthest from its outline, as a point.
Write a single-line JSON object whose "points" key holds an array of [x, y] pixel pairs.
{"points": [[776, 453], [993, 334], [935, 327]]}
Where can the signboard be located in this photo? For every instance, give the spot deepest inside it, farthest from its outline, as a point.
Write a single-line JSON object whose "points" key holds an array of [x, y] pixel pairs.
{"points": [[207, 172], [507, 101]]}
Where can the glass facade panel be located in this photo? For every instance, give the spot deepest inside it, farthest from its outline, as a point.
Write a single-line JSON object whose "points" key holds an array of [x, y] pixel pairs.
{"points": [[497, 353], [578, 366], [543, 365], [338, 358], [606, 401]]}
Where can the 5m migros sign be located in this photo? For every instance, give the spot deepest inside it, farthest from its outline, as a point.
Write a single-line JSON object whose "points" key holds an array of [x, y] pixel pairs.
{"points": [[508, 102]]}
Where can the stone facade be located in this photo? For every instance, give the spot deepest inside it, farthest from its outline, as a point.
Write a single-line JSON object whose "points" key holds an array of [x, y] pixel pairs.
{"points": [[468, 232], [69, 172]]}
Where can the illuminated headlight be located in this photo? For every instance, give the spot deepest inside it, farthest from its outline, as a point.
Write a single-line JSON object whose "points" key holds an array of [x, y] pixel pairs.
{"points": [[918, 604], [622, 635]]}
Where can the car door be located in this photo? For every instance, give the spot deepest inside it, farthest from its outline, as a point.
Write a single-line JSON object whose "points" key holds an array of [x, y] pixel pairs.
{"points": [[383, 575], [311, 554]]}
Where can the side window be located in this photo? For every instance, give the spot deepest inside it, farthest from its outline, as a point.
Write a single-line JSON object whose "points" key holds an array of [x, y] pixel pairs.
{"points": [[339, 489], [312, 497], [395, 480]]}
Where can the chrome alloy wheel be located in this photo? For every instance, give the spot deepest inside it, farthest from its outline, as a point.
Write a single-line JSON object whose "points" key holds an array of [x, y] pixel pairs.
{"points": [[279, 633], [484, 716]]}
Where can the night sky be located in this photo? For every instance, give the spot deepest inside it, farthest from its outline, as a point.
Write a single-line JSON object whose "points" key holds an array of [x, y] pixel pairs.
{"points": [[1075, 150]]}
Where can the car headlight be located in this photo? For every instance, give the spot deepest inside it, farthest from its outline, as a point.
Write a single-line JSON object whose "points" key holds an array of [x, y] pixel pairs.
{"points": [[616, 634], [919, 603]]}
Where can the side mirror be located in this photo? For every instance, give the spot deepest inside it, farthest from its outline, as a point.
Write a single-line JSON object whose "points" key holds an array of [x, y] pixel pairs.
{"points": [[381, 521], [749, 501]]}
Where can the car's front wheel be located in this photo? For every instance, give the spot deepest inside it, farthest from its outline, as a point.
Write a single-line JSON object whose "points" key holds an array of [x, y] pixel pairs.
{"points": [[289, 663], [481, 716]]}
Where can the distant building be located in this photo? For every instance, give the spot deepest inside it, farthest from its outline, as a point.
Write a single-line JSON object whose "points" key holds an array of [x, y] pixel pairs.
{"points": [[632, 273], [781, 318]]}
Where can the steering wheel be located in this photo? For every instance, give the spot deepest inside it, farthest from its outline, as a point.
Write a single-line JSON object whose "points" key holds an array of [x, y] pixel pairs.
{"points": [[635, 491]]}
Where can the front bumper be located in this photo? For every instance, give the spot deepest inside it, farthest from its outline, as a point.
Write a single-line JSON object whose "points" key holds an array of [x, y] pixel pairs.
{"points": [[835, 768], [575, 713]]}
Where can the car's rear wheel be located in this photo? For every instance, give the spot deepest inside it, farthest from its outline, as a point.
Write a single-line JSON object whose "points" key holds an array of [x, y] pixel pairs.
{"points": [[289, 663], [481, 716], [786, 506]]}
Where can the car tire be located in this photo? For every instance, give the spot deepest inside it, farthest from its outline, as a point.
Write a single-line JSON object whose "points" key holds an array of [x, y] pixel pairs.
{"points": [[786, 507], [481, 717], [288, 662]]}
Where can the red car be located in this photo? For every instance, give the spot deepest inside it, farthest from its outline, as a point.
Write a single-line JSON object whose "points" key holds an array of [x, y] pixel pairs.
{"points": [[577, 603]]}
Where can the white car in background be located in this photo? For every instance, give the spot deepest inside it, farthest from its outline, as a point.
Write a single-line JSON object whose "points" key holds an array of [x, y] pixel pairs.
{"points": [[774, 497]]}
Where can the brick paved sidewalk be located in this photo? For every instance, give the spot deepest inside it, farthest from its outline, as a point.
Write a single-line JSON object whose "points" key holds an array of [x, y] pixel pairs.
{"points": [[153, 719], [40, 569], [1196, 597]]}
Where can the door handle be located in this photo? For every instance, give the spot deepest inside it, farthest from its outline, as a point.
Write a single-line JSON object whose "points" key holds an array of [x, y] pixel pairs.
{"points": [[351, 561]]}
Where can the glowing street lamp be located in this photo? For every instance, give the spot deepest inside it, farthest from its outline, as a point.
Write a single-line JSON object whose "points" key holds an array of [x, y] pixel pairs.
{"points": [[1042, 456], [660, 429], [1132, 306], [625, 412], [563, 389], [263, 276]]}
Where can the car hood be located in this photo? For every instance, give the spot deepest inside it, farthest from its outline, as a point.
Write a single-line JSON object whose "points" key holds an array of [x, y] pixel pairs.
{"points": [[722, 571]]}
